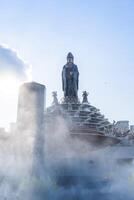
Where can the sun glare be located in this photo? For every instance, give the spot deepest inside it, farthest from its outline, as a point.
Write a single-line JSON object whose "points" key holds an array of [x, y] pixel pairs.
{"points": [[9, 84]]}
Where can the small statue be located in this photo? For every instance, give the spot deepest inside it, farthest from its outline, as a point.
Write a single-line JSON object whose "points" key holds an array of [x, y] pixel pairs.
{"points": [[55, 99], [85, 95]]}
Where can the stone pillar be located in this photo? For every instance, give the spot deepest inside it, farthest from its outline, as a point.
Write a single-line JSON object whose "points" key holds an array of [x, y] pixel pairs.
{"points": [[30, 114], [31, 131]]}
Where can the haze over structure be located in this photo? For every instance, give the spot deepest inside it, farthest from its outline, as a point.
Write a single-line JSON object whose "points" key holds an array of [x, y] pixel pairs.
{"points": [[98, 33]]}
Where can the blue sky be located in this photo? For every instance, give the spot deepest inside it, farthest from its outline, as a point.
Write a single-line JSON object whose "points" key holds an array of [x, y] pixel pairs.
{"points": [[100, 34]]}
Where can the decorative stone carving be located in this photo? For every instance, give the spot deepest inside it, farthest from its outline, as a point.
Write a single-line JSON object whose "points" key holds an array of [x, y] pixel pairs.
{"points": [[85, 95], [55, 99]]}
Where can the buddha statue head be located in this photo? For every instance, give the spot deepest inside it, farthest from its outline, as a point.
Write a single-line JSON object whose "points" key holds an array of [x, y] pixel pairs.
{"points": [[70, 58]]}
